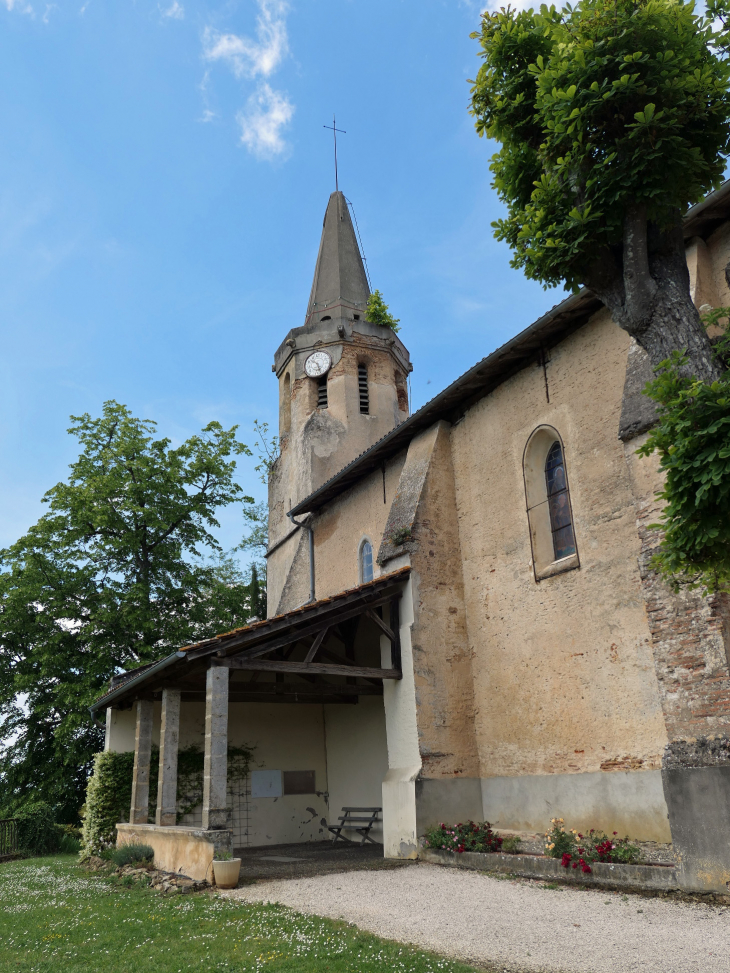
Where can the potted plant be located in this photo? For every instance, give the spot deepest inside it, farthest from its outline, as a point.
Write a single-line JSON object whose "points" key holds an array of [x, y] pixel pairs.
{"points": [[226, 870]]}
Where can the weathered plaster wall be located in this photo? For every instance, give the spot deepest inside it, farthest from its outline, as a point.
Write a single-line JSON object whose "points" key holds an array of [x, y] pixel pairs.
{"points": [[718, 249], [120, 728], [340, 527], [284, 737], [564, 679], [425, 502], [357, 756]]}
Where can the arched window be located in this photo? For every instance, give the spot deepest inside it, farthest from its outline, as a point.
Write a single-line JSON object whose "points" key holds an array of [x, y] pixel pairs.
{"points": [[549, 513], [366, 561], [561, 522]]}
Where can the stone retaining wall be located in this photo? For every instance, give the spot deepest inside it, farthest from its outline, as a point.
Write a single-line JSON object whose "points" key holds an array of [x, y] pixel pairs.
{"points": [[657, 878]]}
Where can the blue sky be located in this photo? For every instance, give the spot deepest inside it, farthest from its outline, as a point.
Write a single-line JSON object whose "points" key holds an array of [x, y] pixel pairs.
{"points": [[164, 172]]}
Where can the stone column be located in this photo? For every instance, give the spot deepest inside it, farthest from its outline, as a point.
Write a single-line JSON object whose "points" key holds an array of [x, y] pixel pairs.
{"points": [[166, 813], [141, 773], [215, 768]]}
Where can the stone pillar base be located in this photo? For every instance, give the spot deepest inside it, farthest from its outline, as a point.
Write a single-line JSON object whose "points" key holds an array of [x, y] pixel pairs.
{"points": [[185, 851]]}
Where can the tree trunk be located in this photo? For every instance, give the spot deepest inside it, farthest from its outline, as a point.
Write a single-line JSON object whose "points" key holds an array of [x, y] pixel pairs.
{"points": [[647, 292]]}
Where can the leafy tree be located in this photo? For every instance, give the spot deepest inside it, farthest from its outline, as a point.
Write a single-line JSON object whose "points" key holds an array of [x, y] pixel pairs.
{"points": [[257, 541], [377, 312], [121, 570], [613, 116], [692, 438]]}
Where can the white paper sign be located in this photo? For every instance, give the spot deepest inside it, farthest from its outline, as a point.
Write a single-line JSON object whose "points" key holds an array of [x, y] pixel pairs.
{"points": [[266, 783]]}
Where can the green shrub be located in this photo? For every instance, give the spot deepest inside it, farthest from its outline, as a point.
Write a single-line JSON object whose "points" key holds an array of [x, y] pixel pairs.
{"points": [[37, 831], [108, 797], [576, 850], [511, 845], [109, 791], [131, 855], [377, 312], [68, 845], [464, 837]]}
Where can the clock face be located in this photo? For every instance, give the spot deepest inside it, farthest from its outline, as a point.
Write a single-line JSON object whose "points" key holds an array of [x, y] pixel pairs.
{"points": [[318, 363]]}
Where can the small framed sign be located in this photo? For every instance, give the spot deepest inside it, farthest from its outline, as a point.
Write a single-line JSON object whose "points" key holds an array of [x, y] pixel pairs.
{"points": [[266, 783]]}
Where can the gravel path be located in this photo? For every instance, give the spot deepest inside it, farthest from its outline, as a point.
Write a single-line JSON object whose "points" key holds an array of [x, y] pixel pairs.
{"points": [[515, 924]]}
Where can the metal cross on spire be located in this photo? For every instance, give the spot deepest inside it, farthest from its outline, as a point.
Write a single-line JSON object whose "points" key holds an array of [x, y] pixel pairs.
{"points": [[334, 129]]}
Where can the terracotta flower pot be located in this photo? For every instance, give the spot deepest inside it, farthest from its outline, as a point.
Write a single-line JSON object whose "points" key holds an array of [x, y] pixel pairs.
{"points": [[225, 873]]}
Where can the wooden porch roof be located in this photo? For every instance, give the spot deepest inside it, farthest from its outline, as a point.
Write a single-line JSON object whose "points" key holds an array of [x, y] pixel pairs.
{"points": [[310, 654]]}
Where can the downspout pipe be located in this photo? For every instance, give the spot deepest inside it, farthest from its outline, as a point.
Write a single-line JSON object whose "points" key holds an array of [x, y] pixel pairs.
{"points": [[307, 525]]}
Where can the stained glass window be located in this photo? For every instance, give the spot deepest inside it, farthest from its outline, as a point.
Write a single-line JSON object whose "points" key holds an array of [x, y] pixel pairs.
{"points": [[559, 503], [366, 562]]}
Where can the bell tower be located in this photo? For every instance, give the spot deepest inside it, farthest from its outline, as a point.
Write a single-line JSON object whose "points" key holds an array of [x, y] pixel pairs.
{"points": [[342, 386]]}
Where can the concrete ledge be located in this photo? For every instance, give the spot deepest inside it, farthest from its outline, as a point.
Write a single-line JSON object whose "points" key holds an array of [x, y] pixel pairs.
{"points": [[657, 878], [184, 851]]}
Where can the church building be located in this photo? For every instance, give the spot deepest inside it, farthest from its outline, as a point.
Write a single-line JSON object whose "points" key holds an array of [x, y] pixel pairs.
{"points": [[463, 623]]}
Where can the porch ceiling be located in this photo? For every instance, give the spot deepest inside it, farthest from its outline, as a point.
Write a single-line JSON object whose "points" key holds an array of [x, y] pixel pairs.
{"points": [[327, 651]]}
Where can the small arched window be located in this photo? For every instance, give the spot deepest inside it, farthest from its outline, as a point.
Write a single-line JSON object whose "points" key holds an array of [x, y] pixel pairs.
{"points": [[366, 561], [561, 522], [549, 513]]}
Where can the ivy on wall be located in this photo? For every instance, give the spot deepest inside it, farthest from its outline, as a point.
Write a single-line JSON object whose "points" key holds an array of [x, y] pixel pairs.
{"points": [[109, 791]]}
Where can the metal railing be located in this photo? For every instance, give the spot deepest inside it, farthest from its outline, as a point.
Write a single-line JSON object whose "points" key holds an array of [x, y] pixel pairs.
{"points": [[8, 838]]}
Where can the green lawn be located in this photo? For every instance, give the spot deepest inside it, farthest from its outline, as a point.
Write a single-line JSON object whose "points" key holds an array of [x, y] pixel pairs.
{"points": [[56, 918]]}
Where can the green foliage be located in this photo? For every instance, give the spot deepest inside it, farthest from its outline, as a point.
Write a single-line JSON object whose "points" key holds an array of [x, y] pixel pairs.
{"points": [[692, 438], [190, 762], [267, 451], [558, 840], [600, 106], [132, 854], [121, 570], [108, 799], [377, 312], [459, 838], [37, 831], [69, 845], [109, 791], [223, 856], [54, 917], [257, 541], [576, 850], [400, 536]]}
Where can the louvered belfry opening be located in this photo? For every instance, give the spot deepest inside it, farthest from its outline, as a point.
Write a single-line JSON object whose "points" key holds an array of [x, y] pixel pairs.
{"points": [[362, 381], [322, 392]]}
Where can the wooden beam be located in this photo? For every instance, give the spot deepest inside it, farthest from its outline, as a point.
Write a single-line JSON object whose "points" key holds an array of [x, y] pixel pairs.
{"points": [[305, 690], [319, 639], [385, 629], [311, 668]]}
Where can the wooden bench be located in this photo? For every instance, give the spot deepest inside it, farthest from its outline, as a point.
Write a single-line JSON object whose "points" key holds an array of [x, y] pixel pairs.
{"points": [[350, 818]]}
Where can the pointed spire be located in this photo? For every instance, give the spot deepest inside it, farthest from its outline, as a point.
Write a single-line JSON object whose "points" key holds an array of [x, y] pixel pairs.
{"points": [[339, 276]]}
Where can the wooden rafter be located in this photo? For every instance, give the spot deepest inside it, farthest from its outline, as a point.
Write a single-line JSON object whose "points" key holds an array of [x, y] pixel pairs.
{"points": [[310, 668]]}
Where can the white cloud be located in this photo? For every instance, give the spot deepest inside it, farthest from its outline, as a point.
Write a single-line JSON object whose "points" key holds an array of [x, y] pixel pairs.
{"points": [[266, 114], [247, 57], [23, 8], [174, 12]]}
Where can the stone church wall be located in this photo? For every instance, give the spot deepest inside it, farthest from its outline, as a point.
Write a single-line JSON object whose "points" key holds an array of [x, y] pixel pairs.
{"points": [[564, 679]]}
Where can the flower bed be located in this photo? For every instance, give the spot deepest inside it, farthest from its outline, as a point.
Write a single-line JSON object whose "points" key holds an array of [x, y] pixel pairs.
{"points": [[576, 850], [459, 838]]}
